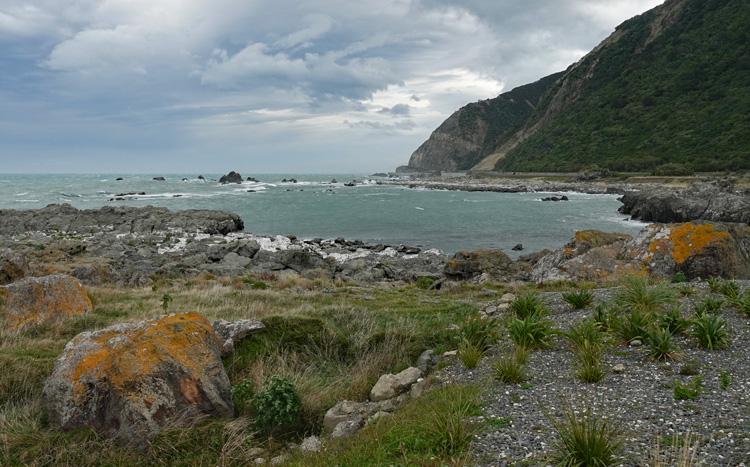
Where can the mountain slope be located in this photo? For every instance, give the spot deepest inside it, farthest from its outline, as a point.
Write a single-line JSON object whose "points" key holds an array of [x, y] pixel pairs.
{"points": [[474, 131], [669, 86]]}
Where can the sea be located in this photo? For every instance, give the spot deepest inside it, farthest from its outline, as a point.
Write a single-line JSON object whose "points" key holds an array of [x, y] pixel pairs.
{"points": [[321, 206]]}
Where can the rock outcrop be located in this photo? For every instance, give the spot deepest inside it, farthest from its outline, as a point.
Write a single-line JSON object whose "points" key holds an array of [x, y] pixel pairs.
{"points": [[711, 201], [232, 332], [48, 300], [231, 177], [13, 266], [697, 249], [469, 264], [66, 218], [129, 381]]}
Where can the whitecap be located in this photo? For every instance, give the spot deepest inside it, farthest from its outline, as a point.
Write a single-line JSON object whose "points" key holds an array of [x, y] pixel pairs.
{"points": [[419, 208]]}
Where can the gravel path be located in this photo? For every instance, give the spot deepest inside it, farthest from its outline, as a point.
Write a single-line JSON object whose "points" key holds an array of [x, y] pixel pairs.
{"points": [[638, 401]]}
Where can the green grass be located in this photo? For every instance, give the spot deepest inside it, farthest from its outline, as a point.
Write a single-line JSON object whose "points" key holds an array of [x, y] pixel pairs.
{"points": [[432, 430], [469, 354], [585, 333], [725, 380], [585, 440], [579, 300], [710, 305], [510, 369], [589, 363], [634, 325], [673, 321]]}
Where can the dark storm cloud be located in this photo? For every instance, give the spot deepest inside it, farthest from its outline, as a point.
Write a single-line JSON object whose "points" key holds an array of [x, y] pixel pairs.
{"points": [[189, 77]]}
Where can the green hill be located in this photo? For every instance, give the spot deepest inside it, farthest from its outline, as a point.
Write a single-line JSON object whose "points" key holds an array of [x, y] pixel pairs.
{"points": [[669, 86]]}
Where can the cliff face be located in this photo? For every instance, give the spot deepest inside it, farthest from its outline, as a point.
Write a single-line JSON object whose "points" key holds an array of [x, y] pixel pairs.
{"points": [[475, 130], [669, 86]]}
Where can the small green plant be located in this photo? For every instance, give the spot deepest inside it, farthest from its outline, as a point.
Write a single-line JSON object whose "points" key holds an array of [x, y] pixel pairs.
{"points": [[528, 304], [533, 332], [469, 354], [589, 364], [634, 325], [714, 284], [661, 345], [691, 367], [481, 333], [424, 282], [166, 300], [727, 288], [255, 283], [277, 406], [585, 440], [709, 305], [673, 321], [510, 370], [679, 278], [242, 395], [639, 295], [725, 380], [711, 331], [500, 422], [579, 300], [587, 332], [688, 391]]}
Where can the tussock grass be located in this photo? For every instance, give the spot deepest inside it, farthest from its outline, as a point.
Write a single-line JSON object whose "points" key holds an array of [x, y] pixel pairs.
{"points": [[510, 369], [682, 451], [711, 331], [661, 344], [533, 332], [528, 304], [585, 440], [579, 300], [639, 295]]}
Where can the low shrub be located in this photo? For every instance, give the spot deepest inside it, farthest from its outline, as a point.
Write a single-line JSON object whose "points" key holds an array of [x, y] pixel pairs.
{"points": [[711, 331], [679, 278], [242, 395], [688, 391], [277, 407], [585, 440], [424, 282], [579, 300]]}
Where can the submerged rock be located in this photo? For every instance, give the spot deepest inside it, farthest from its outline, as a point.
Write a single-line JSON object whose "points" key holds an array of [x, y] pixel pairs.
{"points": [[131, 380], [43, 300]]}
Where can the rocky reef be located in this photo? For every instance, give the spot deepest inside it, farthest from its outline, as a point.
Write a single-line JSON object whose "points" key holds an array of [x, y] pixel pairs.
{"points": [[717, 201]]}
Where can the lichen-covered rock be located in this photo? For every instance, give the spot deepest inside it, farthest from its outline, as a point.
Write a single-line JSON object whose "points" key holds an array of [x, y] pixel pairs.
{"points": [[43, 300], [130, 380], [13, 266], [697, 249]]}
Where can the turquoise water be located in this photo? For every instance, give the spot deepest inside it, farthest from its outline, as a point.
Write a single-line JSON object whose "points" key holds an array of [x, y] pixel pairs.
{"points": [[447, 220]]}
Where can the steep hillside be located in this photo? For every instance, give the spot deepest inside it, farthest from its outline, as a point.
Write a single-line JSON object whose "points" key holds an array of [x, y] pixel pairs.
{"points": [[669, 86], [475, 130]]}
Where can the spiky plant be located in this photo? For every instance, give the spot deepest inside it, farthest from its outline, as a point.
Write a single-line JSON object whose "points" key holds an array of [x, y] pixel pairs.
{"points": [[673, 321], [510, 370], [661, 344], [533, 332], [638, 294], [634, 325], [579, 299], [585, 332], [528, 304], [711, 331], [589, 363], [585, 440], [710, 305]]}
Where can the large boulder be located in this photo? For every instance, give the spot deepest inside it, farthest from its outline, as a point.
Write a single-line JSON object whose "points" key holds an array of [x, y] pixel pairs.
{"points": [[390, 386], [131, 380], [697, 249], [466, 265], [232, 332], [43, 300]]}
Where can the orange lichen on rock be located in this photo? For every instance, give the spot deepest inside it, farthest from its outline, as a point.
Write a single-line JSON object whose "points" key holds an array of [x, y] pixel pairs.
{"points": [[691, 239], [44, 300], [124, 357]]}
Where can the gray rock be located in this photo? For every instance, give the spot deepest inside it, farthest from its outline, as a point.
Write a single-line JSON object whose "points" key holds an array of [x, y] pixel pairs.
{"points": [[427, 361], [348, 428], [311, 444], [389, 386], [347, 410], [131, 380], [235, 261], [231, 177], [233, 332]]}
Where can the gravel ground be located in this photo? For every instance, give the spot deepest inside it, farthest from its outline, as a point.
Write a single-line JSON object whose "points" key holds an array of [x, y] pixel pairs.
{"points": [[638, 401]]}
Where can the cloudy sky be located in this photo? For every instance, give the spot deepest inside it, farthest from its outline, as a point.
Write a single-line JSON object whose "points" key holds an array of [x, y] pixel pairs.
{"points": [[266, 85]]}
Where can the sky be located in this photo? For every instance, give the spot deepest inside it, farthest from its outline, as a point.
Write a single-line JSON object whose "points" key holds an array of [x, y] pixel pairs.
{"points": [[266, 86]]}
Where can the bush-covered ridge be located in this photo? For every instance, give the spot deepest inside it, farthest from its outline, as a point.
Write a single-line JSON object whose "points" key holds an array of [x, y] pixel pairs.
{"points": [[671, 86]]}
